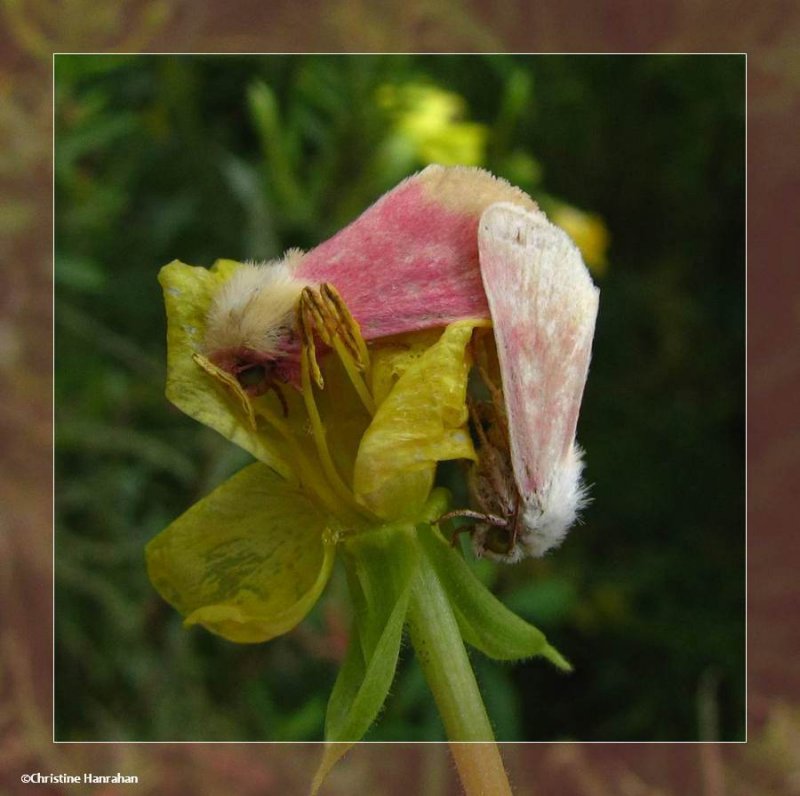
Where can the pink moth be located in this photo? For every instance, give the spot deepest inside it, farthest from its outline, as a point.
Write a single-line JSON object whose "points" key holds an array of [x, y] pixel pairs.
{"points": [[447, 244]]}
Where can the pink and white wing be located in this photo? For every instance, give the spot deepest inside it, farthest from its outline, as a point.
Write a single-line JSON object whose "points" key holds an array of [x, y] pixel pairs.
{"points": [[410, 261], [543, 306]]}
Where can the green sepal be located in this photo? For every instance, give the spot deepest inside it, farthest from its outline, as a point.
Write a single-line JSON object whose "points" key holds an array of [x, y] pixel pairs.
{"points": [[485, 622], [380, 568], [381, 565]]}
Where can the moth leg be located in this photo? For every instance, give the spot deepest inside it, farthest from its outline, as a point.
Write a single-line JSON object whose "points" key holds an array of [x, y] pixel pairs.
{"points": [[494, 470], [477, 423], [516, 522], [485, 444], [495, 392], [491, 519], [480, 358], [281, 397]]}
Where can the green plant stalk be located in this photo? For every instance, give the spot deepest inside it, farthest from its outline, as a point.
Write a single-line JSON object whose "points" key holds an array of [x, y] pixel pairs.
{"points": [[440, 650]]}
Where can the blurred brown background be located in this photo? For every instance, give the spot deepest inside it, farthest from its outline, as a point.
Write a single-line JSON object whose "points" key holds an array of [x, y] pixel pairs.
{"points": [[31, 31]]}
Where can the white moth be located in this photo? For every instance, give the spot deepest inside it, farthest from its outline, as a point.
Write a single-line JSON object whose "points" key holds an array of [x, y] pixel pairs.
{"points": [[543, 306]]}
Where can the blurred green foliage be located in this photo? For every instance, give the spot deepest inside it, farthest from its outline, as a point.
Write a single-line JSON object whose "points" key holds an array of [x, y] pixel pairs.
{"points": [[242, 157]]}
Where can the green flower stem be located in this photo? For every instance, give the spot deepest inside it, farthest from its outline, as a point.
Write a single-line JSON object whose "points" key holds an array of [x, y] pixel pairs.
{"points": [[437, 641]]}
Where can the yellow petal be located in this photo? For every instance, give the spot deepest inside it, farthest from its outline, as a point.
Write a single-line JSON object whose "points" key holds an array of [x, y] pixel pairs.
{"points": [[249, 561], [421, 421], [195, 389], [395, 356]]}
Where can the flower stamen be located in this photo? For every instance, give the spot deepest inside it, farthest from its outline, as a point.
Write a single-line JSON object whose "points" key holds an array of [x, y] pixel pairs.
{"points": [[323, 311], [305, 469], [319, 434]]}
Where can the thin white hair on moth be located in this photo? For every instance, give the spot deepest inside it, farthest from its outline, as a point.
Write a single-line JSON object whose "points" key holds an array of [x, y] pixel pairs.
{"points": [[543, 306], [255, 308]]}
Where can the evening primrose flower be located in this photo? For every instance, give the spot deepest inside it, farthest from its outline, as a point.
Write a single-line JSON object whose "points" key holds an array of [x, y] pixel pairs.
{"points": [[249, 561], [432, 120], [344, 473]]}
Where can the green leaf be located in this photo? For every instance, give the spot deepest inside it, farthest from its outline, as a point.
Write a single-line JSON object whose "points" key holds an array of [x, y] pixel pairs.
{"points": [[485, 622], [380, 568], [381, 565], [264, 111], [247, 562], [363, 683]]}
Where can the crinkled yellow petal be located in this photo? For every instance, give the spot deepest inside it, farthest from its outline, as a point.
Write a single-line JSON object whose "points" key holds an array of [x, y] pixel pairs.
{"points": [[249, 561], [421, 421], [192, 385], [394, 356]]}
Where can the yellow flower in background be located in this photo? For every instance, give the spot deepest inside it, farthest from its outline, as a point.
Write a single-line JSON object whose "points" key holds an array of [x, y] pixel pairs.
{"points": [[432, 121], [589, 233]]}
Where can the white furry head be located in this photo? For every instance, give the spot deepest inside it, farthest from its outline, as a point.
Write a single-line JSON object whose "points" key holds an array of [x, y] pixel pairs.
{"points": [[255, 308]]}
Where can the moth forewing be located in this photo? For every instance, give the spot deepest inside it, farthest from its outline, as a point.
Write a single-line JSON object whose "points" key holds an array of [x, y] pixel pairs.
{"points": [[408, 262], [543, 306]]}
